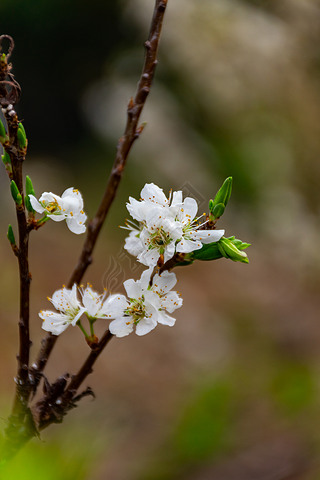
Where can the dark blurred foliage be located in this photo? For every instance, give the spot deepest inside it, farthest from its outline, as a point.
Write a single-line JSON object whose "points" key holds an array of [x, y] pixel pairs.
{"points": [[61, 48]]}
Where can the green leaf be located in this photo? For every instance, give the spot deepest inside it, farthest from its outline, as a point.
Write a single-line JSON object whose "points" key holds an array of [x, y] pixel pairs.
{"points": [[208, 252]]}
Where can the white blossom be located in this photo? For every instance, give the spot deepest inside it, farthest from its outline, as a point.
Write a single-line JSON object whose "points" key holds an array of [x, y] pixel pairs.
{"points": [[68, 207], [97, 306], [69, 311], [166, 226], [147, 305]]}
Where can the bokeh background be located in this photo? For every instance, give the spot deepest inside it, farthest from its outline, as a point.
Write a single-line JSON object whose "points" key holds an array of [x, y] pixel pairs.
{"points": [[231, 392]]}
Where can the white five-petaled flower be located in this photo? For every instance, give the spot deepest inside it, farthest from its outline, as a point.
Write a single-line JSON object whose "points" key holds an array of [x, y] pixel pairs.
{"points": [[166, 226], [68, 207], [147, 305], [69, 311]]}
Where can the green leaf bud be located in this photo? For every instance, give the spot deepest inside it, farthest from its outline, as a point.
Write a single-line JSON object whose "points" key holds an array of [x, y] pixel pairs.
{"points": [[239, 244], [29, 186], [6, 158], [21, 127], [218, 210], [229, 250], [29, 191], [28, 204], [10, 235], [223, 195], [22, 139], [19, 199], [16, 195], [14, 190], [3, 133]]}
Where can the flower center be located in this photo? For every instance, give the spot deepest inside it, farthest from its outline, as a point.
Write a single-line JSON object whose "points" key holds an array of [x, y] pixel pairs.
{"points": [[136, 310], [51, 207], [159, 239]]}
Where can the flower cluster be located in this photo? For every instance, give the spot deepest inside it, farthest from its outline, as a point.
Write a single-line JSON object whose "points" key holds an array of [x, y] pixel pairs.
{"points": [[165, 226], [70, 308], [68, 207], [146, 306]]}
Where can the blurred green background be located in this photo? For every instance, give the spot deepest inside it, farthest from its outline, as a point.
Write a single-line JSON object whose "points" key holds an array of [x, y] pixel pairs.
{"points": [[232, 392]]}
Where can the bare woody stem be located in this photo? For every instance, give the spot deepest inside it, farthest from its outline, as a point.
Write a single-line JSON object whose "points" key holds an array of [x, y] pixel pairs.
{"points": [[9, 92], [131, 133]]}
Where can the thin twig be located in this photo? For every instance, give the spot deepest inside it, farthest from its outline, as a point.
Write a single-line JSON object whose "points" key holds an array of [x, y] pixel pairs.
{"points": [[132, 132]]}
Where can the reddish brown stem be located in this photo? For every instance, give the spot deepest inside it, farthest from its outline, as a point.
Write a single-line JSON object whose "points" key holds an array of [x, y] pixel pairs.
{"points": [[20, 414]]}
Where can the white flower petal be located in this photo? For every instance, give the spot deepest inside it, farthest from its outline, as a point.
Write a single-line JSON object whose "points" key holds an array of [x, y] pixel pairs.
{"points": [[133, 243], [176, 198], [186, 246], [154, 194], [75, 225], [54, 322], [149, 257], [169, 251], [137, 210], [73, 197], [164, 283], [145, 326], [171, 301], [189, 209], [35, 204], [207, 236], [166, 319], [145, 278], [121, 327], [56, 217], [152, 302], [65, 300], [49, 197], [92, 301], [133, 288], [77, 316], [114, 306]]}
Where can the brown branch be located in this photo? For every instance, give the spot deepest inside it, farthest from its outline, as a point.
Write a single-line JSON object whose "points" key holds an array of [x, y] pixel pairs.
{"points": [[20, 414], [132, 132]]}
